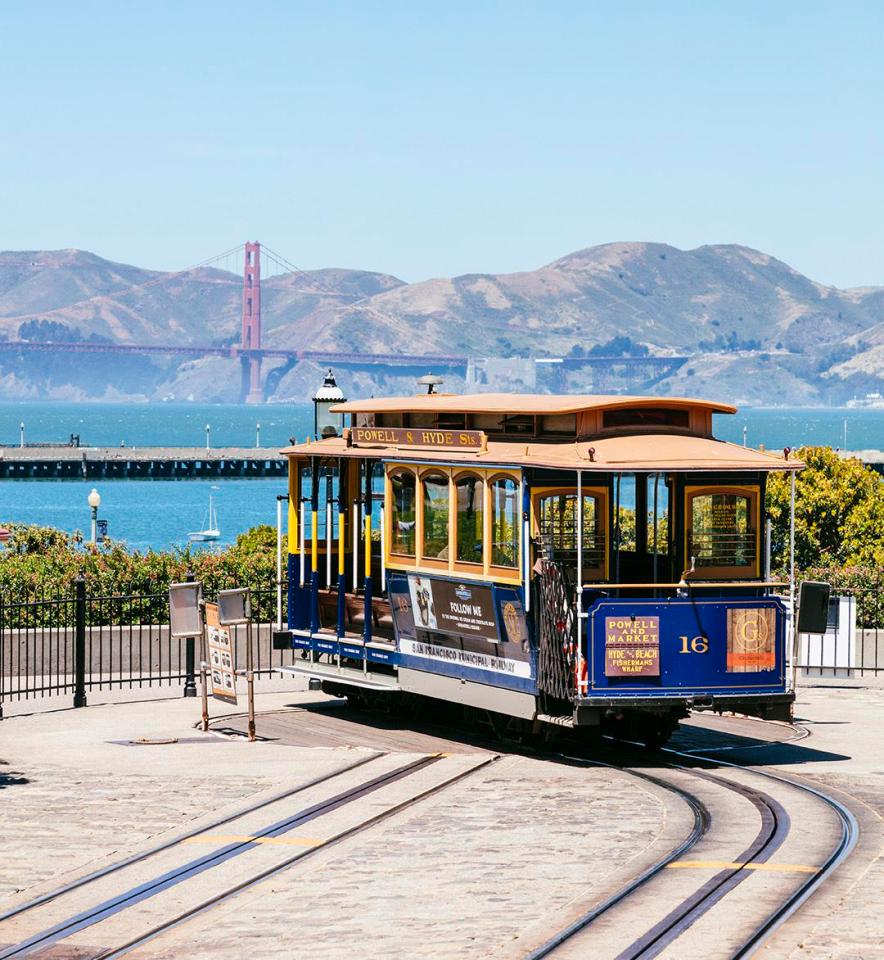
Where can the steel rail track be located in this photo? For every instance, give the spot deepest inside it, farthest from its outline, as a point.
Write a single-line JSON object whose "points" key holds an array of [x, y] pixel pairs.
{"points": [[772, 832], [122, 949], [95, 914], [701, 823], [774, 829], [840, 852], [180, 838]]}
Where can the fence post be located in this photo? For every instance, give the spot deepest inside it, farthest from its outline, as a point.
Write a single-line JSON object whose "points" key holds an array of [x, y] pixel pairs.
{"points": [[2, 638], [80, 642], [189, 655]]}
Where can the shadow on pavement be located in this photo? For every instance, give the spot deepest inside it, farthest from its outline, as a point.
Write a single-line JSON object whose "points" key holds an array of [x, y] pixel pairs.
{"points": [[9, 778], [696, 740]]}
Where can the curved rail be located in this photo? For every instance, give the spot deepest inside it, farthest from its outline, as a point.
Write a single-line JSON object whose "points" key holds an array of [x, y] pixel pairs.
{"points": [[842, 849], [701, 824], [773, 831]]}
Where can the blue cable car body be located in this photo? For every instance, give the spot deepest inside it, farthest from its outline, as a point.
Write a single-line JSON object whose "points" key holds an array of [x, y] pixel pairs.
{"points": [[530, 640]]}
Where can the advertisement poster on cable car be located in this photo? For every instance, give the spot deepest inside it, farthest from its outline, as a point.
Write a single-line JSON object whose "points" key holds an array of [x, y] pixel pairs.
{"points": [[457, 623]]}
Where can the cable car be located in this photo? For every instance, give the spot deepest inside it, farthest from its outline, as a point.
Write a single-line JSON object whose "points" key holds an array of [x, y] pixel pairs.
{"points": [[595, 562]]}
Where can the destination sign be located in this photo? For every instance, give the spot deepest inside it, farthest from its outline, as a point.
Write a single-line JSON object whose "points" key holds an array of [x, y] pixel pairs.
{"points": [[417, 437], [632, 646]]}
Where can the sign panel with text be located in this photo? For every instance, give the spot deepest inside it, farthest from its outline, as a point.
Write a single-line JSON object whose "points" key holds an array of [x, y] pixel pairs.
{"points": [[220, 657], [417, 437]]}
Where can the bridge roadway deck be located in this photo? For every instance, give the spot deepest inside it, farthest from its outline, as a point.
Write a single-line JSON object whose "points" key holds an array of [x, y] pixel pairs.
{"points": [[138, 463]]}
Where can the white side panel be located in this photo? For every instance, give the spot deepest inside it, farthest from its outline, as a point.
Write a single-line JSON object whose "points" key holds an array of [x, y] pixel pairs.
{"points": [[513, 703]]}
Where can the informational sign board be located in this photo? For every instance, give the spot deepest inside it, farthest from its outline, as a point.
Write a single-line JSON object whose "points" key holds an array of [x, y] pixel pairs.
{"points": [[417, 437], [100, 531], [220, 657], [750, 640], [632, 646]]}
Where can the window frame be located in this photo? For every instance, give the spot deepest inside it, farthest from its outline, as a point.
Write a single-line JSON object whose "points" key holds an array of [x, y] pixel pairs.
{"points": [[484, 571], [432, 562], [408, 558], [599, 493], [495, 570], [453, 527], [750, 491]]}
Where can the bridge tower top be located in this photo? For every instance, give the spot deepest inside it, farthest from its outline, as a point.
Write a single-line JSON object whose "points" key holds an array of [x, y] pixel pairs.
{"points": [[251, 322]]}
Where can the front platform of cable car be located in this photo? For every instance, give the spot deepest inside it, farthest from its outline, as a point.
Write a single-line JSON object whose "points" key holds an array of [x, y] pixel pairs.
{"points": [[611, 583]]}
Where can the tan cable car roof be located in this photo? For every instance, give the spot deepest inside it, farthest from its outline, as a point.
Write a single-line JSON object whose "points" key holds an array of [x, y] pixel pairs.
{"points": [[635, 453], [519, 403]]}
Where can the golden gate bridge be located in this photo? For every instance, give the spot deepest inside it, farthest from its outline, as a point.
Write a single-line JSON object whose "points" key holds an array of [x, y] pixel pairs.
{"points": [[250, 350]]}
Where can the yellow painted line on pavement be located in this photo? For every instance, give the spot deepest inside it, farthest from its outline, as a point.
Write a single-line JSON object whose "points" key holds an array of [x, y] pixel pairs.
{"points": [[238, 838], [726, 865]]}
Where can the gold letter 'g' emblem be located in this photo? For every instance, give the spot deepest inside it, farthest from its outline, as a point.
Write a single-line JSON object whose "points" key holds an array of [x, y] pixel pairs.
{"points": [[750, 639]]}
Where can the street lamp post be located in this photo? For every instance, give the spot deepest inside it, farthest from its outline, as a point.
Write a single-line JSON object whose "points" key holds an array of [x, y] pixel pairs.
{"points": [[257, 434], [208, 436], [94, 501], [21, 434]]}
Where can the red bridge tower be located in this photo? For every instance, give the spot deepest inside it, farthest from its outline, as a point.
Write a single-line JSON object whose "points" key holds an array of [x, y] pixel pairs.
{"points": [[251, 390]]}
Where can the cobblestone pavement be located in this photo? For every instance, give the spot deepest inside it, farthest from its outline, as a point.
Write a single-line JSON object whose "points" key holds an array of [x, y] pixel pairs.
{"points": [[844, 756], [484, 869], [465, 874]]}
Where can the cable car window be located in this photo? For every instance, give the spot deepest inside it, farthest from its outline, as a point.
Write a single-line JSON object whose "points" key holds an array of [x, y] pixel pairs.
{"points": [[722, 531], [435, 503], [646, 417], [504, 522], [624, 512], [658, 514], [470, 500], [557, 527], [402, 513], [518, 423], [559, 425], [489, 422]]}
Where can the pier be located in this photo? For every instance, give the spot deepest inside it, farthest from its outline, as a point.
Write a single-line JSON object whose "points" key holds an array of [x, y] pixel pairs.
{"points": [[139, 463]]}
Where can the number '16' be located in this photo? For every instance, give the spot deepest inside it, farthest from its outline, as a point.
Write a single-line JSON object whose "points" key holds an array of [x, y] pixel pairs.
{"points": [[694, 645]]}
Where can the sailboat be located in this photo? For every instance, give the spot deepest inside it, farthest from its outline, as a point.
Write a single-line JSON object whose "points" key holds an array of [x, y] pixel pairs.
{"points": [[211, 530]]}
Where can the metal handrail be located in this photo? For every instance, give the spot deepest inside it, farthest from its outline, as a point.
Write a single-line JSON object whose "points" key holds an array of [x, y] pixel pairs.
{"points": [[688, 584]]}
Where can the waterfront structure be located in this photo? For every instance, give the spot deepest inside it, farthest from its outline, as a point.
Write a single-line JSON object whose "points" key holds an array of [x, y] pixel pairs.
{"points": [[594, 561], [144, 463]]}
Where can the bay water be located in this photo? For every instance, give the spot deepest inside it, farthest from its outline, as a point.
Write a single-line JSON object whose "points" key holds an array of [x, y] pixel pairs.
{"points": [[160, 513]]}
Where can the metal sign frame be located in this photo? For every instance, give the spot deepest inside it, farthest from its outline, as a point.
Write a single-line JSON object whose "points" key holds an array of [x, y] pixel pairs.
{"points": [[185, 616]]}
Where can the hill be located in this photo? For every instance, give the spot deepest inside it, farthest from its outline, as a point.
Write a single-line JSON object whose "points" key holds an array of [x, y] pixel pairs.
{"points": [[757, 329]]}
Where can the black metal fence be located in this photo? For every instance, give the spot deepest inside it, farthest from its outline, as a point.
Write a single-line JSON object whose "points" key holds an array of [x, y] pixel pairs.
{"points": [[75, 642]]}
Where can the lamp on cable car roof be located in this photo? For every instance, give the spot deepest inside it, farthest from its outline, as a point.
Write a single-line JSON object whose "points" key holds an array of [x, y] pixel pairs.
{"points": [[326, 423]]}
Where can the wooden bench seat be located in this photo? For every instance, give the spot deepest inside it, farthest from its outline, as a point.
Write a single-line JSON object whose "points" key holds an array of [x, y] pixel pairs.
{"points": [[354, 608]]}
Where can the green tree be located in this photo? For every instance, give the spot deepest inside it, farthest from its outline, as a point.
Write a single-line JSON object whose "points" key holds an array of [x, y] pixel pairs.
{"points": [[839, 512]]}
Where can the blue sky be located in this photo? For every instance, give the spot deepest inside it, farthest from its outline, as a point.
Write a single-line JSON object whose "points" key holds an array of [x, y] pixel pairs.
{"points": [[430, 139]]}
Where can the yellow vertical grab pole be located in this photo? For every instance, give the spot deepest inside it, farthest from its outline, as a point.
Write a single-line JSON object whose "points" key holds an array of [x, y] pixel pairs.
{"points": [[314, 541], [342, 559], [368, 544]]}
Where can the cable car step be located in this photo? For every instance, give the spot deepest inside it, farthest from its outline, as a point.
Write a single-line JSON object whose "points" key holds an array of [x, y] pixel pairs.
{"points": [[566, 721], [371, 681]]}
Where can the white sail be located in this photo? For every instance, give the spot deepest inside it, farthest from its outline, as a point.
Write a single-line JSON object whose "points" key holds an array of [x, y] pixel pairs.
{"points": [[211, 530]]}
